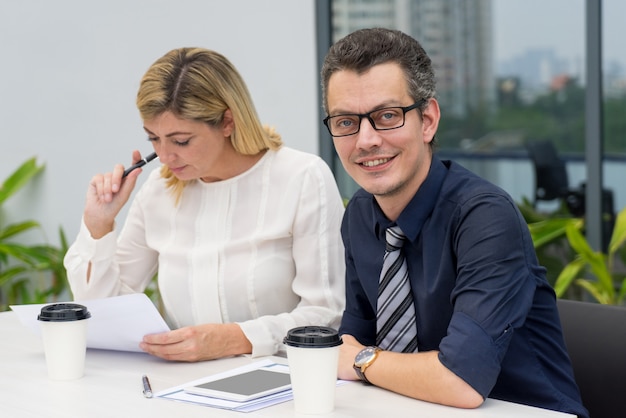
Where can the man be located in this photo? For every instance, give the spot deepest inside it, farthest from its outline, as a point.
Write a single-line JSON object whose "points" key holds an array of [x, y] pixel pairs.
{"points": [[478, 318]]}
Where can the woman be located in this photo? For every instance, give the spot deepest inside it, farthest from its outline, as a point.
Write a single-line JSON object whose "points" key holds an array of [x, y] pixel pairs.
{"points": [[242, 231]]}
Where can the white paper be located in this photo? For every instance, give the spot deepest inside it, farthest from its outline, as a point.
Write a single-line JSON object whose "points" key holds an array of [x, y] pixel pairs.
{"points": [[116, 323], [177, 393]]}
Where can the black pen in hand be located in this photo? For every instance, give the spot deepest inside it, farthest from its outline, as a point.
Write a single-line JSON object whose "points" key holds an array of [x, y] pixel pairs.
{"points": [[139, 163]]}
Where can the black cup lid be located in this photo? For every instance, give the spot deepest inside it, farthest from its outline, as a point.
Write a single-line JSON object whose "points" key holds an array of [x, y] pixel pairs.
{"points": [[60, 312], [313, 337]]}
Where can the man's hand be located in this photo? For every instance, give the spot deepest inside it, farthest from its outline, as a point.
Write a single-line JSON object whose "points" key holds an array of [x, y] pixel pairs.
{"points": [[347, 352], [418, 375]]}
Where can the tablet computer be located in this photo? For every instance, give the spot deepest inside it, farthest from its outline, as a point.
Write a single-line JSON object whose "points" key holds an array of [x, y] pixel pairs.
{"points": [[244, 386]]}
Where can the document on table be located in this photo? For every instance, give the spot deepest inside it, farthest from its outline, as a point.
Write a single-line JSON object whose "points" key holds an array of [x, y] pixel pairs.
{"points": [[178, 393], [116, 323]]}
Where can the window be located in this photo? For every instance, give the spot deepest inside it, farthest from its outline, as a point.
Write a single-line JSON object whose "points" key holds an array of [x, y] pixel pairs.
{"points": [[509, 71]]}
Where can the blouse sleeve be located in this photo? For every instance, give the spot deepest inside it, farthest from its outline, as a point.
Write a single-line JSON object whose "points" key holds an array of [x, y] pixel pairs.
{"points": [[116, 266], [319, 263]]}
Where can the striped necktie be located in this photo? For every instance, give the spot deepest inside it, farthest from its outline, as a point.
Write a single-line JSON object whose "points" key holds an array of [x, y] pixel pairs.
{"points": [[396, 323]]}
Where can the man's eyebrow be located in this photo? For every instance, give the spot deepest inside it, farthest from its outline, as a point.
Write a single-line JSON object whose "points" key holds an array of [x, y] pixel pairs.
{"points": [[383, 105]]}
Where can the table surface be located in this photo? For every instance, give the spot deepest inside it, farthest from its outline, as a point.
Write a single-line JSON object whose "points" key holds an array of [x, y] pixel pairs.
{"points": [[112, 387]]}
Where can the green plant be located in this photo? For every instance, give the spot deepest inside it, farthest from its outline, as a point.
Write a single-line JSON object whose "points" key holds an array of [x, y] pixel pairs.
{"points": [[562, 248], [28, 273], [547, 230], [608, 285]]}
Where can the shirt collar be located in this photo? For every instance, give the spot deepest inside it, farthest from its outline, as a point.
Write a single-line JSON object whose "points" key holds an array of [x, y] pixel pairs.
{"points": [[420, 207]]}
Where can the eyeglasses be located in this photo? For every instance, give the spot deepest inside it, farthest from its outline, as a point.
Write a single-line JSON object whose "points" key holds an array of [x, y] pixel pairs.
{"points": [[381, 119]]}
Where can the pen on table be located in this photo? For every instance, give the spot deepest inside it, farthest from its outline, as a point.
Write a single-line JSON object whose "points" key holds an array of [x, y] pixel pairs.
{"points": [[139, 163], [147, 389]]}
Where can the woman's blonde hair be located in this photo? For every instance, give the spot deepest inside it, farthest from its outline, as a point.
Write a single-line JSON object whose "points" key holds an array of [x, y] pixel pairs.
{"points": [[200, 84]]}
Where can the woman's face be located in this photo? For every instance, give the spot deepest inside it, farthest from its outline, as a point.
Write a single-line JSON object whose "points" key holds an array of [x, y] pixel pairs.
{"points": [[192, 149]]}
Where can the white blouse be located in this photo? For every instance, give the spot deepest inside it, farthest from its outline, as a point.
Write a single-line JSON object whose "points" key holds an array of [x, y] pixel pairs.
{"points": [[262, 249]]}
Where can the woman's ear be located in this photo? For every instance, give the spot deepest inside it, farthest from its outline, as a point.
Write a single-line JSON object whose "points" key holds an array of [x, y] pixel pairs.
{"points": [[430, 120], [228, 124]]}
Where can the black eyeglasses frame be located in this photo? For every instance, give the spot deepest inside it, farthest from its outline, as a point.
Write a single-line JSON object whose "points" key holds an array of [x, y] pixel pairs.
{"points": [[367, 115]]}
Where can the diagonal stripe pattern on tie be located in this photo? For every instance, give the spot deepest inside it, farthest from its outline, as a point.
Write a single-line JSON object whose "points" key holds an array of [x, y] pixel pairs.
{"points": [[396, 323]]}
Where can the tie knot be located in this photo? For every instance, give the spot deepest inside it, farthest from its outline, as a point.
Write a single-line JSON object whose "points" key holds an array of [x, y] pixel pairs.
{"points": [[395, 238]]}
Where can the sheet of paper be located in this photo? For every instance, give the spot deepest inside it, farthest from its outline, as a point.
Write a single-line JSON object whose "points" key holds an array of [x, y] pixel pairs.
{"points": [[116, 323], [178, 394]]}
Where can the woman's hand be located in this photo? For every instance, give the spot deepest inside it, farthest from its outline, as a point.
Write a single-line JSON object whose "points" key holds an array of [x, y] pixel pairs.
{"points": [[106, 195], [197, 343]]}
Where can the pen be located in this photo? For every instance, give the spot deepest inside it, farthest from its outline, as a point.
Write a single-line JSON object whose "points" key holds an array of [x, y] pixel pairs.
{"points": [[147, 389], [140, 163]]}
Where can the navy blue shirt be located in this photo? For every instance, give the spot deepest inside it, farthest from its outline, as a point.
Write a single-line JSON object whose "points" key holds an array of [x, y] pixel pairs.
{"points": [[480, 296]]}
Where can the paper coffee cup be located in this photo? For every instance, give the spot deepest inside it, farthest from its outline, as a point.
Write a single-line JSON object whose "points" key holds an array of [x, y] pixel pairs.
{"points": [[64, 334], [313, 354]]}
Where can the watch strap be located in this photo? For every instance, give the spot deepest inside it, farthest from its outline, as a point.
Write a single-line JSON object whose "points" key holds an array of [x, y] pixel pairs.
{"points": [[361, 375]]}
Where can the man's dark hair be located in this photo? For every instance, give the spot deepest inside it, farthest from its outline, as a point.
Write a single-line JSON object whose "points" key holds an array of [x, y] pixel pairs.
{"points": [[365, 48]]}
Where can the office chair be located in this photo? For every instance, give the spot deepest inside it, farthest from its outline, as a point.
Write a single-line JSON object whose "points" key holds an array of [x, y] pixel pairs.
{"points": [[551, 182], [595, 336]]}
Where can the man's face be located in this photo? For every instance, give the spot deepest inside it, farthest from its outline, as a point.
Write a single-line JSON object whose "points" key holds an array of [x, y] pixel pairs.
{"points": [[389, 164]]}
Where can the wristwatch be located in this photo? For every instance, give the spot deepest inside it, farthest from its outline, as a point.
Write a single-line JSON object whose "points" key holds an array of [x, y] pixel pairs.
{"points": [[364, 359]]}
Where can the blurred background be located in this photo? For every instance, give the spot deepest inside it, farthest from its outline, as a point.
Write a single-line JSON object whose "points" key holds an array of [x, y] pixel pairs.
{"points": [[513, 76]]}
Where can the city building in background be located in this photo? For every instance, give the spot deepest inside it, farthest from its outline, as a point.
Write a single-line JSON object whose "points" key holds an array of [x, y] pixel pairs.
{"points": [[456, 34]]}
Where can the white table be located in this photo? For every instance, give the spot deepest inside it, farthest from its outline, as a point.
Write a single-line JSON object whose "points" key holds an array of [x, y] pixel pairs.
{"points": [[112, 387]]}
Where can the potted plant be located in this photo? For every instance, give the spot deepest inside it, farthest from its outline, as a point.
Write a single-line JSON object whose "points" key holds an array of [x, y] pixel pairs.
{"points": [[28, 273]]}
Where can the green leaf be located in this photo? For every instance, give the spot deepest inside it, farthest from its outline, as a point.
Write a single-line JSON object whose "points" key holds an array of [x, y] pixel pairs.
{"points": [[579, 243], [549, 230], [596, 291], [19, 292], [567, 276], [595, 260], [11, 273], [15, 229], [19, 178], [45, 257], [18, 251], [619, 232]]}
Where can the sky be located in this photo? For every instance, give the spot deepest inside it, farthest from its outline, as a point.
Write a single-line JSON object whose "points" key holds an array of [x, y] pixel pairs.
{"points": [[526, 24]]}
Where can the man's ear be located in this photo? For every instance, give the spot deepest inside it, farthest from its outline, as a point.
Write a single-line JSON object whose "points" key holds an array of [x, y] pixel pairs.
{"points": [[430, 120], [228, 124]]}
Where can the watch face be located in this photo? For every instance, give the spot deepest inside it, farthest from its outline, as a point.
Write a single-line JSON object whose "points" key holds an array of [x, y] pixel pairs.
{"points": [[364, 355]]}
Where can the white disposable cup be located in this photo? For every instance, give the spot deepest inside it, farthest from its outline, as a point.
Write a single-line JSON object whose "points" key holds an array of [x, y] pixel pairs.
{"points": [[64, 335], [313, 354]]}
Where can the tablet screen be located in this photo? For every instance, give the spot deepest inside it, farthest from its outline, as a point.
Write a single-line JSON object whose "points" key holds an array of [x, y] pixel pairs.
{"points": [[245, 386]]}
